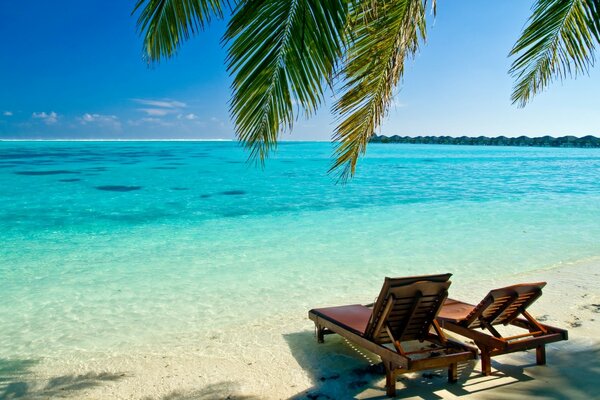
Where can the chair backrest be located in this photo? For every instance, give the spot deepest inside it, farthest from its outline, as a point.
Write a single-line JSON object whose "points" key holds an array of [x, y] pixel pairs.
{"points": [[502, 306], [390, 283], [407, 307]]}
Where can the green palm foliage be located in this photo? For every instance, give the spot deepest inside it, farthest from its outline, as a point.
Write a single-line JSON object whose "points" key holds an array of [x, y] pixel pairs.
{"points": [[558, 42], [384, 33], [283, 54], [166, 24]]}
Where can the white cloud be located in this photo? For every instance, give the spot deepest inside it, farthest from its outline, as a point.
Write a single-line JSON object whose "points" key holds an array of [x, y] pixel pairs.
{"points": [[160, 108], [7, 113], [48, 118], [156, 112], [100, 119], [87, 117], [189, 117], [161, 103], [163, 113], [149, 120]]}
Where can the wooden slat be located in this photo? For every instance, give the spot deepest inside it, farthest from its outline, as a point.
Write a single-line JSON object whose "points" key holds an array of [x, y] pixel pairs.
{"points": [[501, 306], [382, 318], [531, 343], [479, 337], [521, 323], [382, 351], [523, 335], [473, 318], [441, 361], [409, 315]]}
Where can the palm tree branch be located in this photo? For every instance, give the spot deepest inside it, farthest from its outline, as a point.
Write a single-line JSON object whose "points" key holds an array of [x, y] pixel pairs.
{"points": [[166, 24], [559, 41], [386, 33], [281, 52]]}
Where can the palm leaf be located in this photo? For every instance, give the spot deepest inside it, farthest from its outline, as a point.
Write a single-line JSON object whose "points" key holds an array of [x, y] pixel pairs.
{"points": [[281, 52], [384, 33], [166, 24], [558, 41]]}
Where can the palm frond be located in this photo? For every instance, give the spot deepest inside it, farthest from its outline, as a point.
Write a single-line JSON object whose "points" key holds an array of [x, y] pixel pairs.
{"points": [[166, 24], [559, 41], [385, 33], [281, 52]]}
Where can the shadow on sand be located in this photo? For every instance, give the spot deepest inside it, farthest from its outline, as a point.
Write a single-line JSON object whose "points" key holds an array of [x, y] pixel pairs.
{"points": [[338, 370], [221, 390], [17, 381]]}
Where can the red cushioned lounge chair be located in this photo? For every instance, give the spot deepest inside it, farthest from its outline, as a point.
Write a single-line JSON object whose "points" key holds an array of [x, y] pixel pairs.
{"points": [[404, 311], [501, 307]]}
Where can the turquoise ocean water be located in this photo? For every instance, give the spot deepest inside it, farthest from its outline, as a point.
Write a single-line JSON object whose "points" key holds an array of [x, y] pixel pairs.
{"points": [[113, 246]]}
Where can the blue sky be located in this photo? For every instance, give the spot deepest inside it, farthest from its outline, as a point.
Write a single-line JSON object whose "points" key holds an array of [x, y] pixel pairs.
{"points": [[74, 69]]}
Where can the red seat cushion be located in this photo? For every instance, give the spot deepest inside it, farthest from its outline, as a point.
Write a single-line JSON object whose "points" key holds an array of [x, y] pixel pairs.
{"points": [[354, 317], [454, 311]]}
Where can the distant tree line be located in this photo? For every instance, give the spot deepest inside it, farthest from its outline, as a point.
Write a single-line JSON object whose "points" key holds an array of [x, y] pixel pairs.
{"points": [[544, 141]]}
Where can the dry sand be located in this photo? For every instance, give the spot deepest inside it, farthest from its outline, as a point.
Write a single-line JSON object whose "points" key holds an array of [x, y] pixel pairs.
{"points": [[279, 361]]}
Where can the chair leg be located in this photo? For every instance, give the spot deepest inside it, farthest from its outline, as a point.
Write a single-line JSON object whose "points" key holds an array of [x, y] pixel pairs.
{"points": [[453, 373], [390, 380], [486, 362], [540, 355], [320, 335]]}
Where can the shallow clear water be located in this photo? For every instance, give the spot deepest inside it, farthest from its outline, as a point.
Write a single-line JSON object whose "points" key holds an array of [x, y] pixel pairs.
{"points": [[109, 247]]}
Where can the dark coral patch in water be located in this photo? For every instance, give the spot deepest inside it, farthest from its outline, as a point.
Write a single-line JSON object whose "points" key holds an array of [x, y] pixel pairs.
{"points": [[164, 168], [180, 188], [205, 196], [234, 192], [54, 172], [45, 162], [69, 180], [92, 159], [118, 188], [17, 155]]}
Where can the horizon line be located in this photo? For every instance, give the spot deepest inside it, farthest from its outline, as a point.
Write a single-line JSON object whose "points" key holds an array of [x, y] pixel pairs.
{"points": [[142, 140]]}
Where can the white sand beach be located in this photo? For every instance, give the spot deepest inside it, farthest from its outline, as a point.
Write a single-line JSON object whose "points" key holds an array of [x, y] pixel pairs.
{"points": [[280, 359]]}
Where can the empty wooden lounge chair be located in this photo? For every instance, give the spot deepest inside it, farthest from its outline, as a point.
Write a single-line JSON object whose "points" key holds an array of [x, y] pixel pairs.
{"points": [[404, 311], [501, 307]]}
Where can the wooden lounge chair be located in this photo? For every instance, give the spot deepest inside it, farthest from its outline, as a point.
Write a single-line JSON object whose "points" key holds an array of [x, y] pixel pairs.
{"points": [[501, 307], [404, 311]]}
